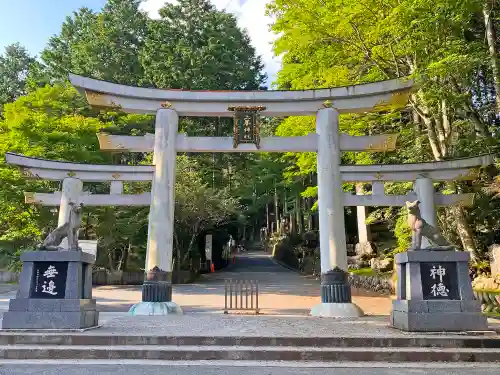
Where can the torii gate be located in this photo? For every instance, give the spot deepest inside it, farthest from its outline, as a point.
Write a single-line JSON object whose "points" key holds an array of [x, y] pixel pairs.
{"points": [[422, 174], [245, 107]]}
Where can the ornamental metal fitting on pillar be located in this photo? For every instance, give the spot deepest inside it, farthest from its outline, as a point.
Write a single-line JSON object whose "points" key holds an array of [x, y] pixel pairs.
{"points": [[335, 287], [158, 279]]}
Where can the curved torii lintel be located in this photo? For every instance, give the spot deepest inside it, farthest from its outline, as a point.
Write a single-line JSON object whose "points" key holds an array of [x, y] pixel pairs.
{"points": [[458, 169], [59, 170], [349, 99]]}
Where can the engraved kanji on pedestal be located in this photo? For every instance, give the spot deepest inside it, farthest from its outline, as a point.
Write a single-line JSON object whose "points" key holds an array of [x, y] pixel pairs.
{"points": [[49, 280], [439, 281]]}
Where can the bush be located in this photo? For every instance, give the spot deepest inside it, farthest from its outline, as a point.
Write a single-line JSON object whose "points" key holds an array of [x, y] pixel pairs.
{"points": [[402, 232]]}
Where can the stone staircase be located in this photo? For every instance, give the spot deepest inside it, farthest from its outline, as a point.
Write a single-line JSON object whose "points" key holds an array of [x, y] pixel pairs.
{"points": [[105, 346]]}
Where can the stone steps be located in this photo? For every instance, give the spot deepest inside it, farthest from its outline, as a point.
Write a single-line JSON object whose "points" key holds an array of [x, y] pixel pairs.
{"points": [[103, 339], [247, 353], [390, 349]]}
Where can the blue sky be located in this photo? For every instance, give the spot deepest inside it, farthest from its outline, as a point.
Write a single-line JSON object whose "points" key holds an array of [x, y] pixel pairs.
{"points": [[33, 22]]}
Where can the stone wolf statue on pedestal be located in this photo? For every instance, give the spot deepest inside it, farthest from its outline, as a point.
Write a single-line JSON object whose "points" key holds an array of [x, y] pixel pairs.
{"points": [[69, 229], [420, 227]]}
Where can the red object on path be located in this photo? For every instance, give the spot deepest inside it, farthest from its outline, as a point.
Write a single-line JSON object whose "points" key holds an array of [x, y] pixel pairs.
{"points": [[234, 259], [212, 268]]}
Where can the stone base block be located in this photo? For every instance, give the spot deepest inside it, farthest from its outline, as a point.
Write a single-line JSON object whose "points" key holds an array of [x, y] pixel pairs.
{"points": [[443, 306], [51, 305], [50, 319], [438, 321], [337, 310], [155, 308]]}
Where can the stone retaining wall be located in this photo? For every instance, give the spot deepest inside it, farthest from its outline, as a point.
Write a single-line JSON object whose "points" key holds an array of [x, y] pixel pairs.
{"points": [[102, 277], [490, 301], [378, 284], [9, 277]]}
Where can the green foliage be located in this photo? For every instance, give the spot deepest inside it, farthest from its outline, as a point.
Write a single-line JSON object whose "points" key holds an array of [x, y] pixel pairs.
{"points": [[49, 123], [103, 45], [19, 72], [198, 206], [363, 271], [442, 47], [194, 46], [402, 232]]}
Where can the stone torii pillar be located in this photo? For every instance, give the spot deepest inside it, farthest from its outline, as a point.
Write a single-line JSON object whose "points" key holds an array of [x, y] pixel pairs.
{"points": [[335, 289], [425, 194], [364, 234], [157, 287], [70, 193]]}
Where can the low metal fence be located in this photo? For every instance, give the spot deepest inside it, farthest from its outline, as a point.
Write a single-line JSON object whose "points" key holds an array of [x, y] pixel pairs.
{"points": [[241, 295]]}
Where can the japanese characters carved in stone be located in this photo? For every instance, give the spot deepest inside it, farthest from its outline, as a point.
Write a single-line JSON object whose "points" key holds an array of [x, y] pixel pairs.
{"points": [[420, 228], [67, 230]]}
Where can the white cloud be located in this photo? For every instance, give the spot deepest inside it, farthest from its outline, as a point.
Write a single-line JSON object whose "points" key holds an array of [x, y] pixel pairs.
{"points": [[251, 16]]}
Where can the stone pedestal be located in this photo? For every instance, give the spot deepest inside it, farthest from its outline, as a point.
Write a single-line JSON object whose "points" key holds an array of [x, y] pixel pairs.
{"points": [[55, 292], [434, 293]]}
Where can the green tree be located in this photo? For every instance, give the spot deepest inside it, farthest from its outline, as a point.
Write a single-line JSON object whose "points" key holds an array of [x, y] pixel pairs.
{"points": [[103, 45], [18, 73], [197, 207], [195, 46], [440, 45], [55, 122], [51, 123]]}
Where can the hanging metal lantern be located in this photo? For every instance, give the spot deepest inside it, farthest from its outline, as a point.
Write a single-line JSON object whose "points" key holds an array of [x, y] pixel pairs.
{"points": [[246, 125]]}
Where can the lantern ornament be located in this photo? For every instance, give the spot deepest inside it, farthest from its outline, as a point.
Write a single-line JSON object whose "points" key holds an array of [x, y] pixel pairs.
{"points": [[246, 125]]}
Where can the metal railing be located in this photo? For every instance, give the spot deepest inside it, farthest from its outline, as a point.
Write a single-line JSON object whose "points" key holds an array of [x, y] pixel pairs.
{"points": [[237, 293]]}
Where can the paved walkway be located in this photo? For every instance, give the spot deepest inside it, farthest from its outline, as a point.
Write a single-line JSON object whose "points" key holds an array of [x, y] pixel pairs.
{"points": [[281, 291]]}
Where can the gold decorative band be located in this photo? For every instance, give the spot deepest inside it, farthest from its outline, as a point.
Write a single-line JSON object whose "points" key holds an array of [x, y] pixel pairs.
{"points": [[29, 197], [387, 144]]}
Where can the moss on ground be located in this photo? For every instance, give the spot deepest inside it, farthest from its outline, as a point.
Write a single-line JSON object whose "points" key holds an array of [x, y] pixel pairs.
{"points": [[364, 272]]}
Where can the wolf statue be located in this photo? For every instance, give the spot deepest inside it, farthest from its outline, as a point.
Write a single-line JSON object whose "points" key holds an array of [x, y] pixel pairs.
{"points": [[420, 227], [69, 229]]}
